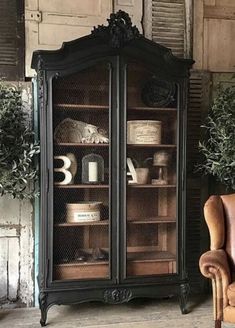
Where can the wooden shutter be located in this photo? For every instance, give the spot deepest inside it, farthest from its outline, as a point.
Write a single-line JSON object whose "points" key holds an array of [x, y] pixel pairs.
{"points": [[49, 23], [168, 24], [196, 230], [11, 40]]}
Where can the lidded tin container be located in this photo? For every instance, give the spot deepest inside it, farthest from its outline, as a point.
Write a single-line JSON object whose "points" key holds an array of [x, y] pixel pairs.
{"points": [[83, 212], [144, 132]]}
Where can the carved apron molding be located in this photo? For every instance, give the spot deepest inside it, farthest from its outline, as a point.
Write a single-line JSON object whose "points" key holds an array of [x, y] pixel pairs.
{"points": [[116, 296]]}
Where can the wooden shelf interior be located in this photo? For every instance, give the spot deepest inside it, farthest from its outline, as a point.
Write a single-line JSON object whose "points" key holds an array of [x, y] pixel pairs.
{"points": [[89, 268], [146, 203], [151, 209], [138, 264], [151, 248]]}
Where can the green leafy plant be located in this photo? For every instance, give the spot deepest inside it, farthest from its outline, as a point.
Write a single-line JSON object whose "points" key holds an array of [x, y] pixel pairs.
{"points": [[219, 149], [17, 146]]}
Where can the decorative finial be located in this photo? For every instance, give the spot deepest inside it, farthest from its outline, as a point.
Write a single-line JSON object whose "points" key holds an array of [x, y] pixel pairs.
{"points": [[119, 31]]}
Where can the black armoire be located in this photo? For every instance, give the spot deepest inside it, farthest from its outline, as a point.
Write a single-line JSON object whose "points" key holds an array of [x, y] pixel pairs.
{"points": [[112, 110]]}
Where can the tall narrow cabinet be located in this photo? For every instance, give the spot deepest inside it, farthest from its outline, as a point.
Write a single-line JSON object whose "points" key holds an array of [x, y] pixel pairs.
{"points": [[112, 110]]}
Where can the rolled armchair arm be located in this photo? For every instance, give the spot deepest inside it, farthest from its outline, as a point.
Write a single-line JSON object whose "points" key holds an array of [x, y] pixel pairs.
{"points": [[214, 265]]}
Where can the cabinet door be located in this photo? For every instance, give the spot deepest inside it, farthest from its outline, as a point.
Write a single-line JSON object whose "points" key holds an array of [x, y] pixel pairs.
{"points": [[150, 186], [82, 183]]}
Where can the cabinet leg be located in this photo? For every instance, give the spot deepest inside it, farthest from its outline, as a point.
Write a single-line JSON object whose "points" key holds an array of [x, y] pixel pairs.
{"points": [[43, 308], [183, 298]]}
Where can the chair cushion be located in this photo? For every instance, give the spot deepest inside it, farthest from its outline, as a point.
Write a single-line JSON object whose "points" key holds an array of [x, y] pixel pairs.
{"points": [[231, 294]]}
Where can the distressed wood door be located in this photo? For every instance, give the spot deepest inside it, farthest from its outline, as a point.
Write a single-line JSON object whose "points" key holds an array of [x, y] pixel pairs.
{"points": [[214, 28], [49, 23]]}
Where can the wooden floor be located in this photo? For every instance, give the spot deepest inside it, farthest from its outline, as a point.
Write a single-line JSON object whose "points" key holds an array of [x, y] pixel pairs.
{"points": [[136, 314]]}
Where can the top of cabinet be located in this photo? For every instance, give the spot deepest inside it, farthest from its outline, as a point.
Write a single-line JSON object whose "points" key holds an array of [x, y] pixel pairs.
{"points": [[119, 37]]}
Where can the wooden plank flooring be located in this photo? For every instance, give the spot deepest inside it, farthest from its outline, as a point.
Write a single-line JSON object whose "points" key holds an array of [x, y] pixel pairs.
{"points": [[136, 314]]}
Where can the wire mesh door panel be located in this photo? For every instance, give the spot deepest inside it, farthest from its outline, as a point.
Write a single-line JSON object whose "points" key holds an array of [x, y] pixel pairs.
{"points": [[151, 153], [82, 182]]}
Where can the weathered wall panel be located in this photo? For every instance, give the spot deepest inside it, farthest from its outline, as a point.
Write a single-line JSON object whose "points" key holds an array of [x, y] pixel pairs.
{"points": [[16, 252], [3, 268], [13, 268], [134, 8], [49, 23], [214, 30], [17, 241]]}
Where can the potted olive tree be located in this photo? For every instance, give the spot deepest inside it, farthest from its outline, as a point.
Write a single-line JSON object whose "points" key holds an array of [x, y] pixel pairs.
{"points": [[17, 146], [218, 150]]}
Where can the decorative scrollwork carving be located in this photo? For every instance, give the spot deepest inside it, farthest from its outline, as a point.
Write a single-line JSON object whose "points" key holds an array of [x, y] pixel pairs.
{"points": [[116, 296], [184, 292], [43, 300], [40, 77], [43, 307], [119, 31]]}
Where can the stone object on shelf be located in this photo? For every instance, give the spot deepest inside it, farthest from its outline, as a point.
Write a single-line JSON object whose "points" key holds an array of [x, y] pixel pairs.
{"points": [[79, 132]]}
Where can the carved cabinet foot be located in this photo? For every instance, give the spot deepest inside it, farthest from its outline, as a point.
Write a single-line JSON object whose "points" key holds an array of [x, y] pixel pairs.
{"points": [[43, 308], [183, 298]]}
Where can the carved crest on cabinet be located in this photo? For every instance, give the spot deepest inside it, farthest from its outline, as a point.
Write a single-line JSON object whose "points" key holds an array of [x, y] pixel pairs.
{"points": [[117, 295], [119, 30]]}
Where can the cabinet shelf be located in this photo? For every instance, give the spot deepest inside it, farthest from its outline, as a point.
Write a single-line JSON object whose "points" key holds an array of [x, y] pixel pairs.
{"points": [[153, 109], [79, 264], [81, 107], [150, 263], [154, 220], [78, 224], [152, 256], [151, 145], [105, 107], [82, 186], [81, 270], [151, 186], [82, 145]]}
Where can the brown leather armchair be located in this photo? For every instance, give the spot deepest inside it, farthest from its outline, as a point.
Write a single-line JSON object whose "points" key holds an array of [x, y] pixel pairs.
{"points": [[218, 264]]}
